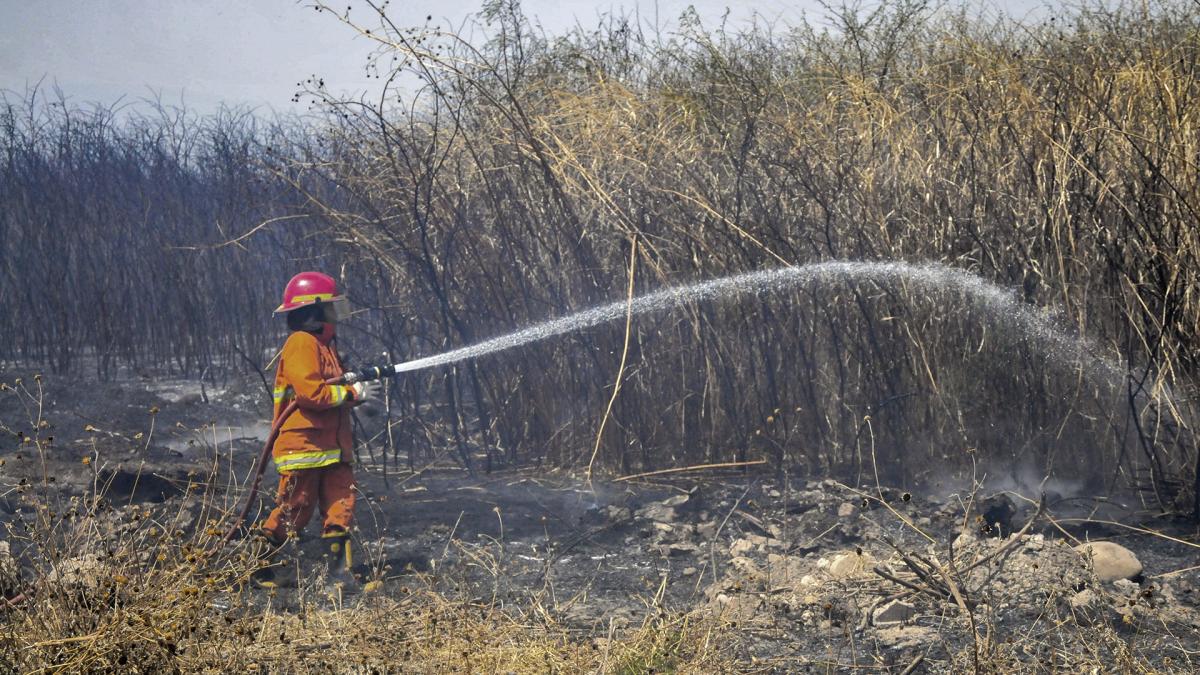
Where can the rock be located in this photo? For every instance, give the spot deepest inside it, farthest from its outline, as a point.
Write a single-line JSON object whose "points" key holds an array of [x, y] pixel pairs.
{"points": [[894, 612], [851, 564], [847, 510], [966, 540], [10, 574], [689, 571], [84, 573], [741, 547], [737, 607], [1084, 600], [707, 530], [1126, 588], [747, 568], [1110, 561], [658, 512], [754, 542], [677, 549], [618, 513]]}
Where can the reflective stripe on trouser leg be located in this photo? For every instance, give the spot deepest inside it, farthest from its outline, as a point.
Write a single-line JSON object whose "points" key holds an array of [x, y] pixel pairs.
{"points": [[307, 460]]}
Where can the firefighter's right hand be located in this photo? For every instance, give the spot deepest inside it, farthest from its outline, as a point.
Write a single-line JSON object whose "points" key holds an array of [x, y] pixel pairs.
{"points": [[362, 391]]}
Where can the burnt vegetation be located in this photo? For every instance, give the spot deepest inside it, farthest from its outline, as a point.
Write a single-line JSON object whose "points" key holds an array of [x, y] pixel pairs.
{"points": [[500, 175]]}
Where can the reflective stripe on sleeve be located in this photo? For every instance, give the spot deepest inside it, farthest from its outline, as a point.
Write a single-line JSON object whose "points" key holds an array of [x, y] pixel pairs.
{"points": [[281, 393], [307, 460], [338, 393]]}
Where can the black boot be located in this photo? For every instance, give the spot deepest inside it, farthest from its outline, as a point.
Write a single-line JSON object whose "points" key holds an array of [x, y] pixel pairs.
{"points": [[339, 555], [277, 561]]}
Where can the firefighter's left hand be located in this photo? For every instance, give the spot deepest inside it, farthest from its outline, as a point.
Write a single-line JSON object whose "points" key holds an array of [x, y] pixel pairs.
{"points": [[362, 391]]}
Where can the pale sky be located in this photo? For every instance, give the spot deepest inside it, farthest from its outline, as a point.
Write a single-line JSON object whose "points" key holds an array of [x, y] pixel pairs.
{"points": [[253, 52]]}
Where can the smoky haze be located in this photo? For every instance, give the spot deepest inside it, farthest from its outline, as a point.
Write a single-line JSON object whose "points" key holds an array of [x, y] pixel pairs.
{"points": [[201, 55]]}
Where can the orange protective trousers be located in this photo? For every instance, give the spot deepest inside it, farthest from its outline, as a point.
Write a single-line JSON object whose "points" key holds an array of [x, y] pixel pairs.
{"points": [[329, 487]]}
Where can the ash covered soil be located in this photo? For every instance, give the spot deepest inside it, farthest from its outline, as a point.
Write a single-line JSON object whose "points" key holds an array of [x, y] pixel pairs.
{"points": [[800, 574]]}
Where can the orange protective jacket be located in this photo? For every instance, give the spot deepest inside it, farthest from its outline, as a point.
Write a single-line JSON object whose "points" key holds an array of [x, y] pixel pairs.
{"points": [[318, 433]]}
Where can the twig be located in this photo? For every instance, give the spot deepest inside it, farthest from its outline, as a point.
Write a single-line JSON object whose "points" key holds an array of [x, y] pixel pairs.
{"points": [[696, 467], [1142, 530], [878, 569], [913, 666], [1171, 574], [624, 356]]}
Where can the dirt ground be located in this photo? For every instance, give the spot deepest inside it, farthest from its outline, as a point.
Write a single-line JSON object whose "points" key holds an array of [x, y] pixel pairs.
{"points": [[803, 575]]}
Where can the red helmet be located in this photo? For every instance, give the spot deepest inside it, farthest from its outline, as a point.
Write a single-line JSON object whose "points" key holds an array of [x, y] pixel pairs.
{"points": [[308, 288]]}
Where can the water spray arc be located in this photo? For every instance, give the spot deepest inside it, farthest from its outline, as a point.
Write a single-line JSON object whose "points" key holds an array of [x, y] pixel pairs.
{"points": [[933, 276]]}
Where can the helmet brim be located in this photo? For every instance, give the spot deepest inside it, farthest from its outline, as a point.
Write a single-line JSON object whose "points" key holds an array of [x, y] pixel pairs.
{"points": [[341, 306]]}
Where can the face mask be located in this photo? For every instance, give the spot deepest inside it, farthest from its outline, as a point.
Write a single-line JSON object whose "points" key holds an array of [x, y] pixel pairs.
{"points": [[328, 332]]}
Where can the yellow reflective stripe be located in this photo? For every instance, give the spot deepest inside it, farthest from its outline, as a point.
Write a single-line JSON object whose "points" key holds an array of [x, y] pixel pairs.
{"points": [[311, 298], [307, 460], [339, 393], [281, 393]]}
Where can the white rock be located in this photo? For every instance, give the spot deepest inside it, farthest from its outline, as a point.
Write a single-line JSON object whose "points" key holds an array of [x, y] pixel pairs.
{"points": [[1085, 599], [740, 607], [1110, 561], [893, 613], [10, 574], [1126, 588], [677, 500], [615, 512], [658, 511], [847, 510], [747, 568], [741, 547], [85, 572], [752, 542], [676, 549], [851, 564], [965, 540]]}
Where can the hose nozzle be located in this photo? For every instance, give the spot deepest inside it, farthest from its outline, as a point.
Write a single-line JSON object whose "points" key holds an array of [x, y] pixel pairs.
{"points": [[366, 374]]}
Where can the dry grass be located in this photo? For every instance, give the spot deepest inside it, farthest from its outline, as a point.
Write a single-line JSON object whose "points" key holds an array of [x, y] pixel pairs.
{"points": [[113, 585]]}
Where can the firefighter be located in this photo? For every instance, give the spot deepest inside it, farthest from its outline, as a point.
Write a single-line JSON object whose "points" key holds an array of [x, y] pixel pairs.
{"points": [[313, 451]]}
